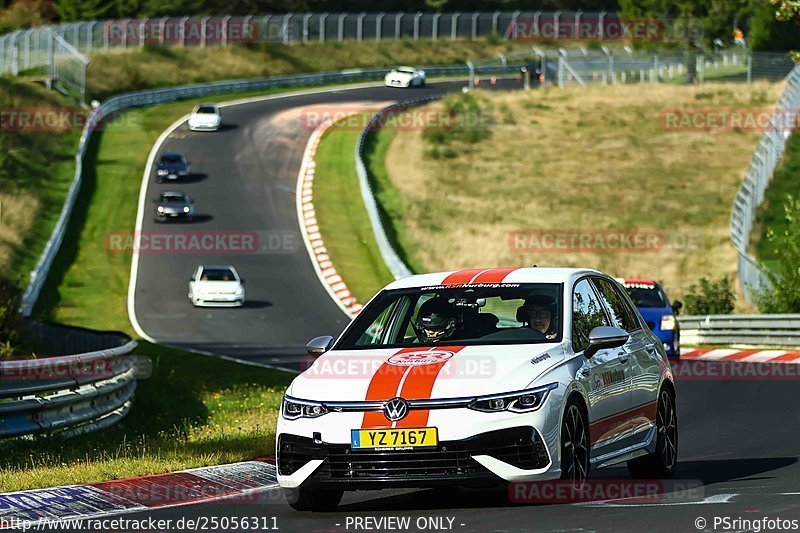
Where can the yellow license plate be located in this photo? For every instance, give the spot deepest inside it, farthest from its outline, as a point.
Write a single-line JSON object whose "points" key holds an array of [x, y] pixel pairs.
{"points": [[393, 439]]}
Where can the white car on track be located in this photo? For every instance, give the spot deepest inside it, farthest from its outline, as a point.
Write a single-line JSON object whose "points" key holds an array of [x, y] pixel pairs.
{"points": [[479, 376], [205, 117], [216, 286], [405, 77]]}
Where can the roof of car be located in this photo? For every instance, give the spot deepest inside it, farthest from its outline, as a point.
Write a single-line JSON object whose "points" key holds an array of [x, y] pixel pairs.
{"points": [[492, 275]]}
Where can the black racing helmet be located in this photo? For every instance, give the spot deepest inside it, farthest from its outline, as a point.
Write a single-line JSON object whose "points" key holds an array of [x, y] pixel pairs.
{"points": [[436, 320], [537, 301]]}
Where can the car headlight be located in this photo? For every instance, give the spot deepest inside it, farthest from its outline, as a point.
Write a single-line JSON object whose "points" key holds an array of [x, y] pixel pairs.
{"points": [[160, 209], [667, 322], [523, 401], [186, 209], [162, 171], [239, 291], [292, 409]]}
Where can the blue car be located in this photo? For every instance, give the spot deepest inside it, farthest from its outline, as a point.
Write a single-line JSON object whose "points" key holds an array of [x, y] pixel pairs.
{"points": [[650, 299], [171, 166]]}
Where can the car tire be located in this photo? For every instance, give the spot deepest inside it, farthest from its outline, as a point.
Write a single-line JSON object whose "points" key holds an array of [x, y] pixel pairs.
{"points": [[661, 463], [316, 500], [575, 445]]}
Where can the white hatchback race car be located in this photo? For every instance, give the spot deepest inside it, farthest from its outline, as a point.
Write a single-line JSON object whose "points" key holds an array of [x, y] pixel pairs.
{"points": [[205, 117], [479, 377], [216, 286], [405, 77]]}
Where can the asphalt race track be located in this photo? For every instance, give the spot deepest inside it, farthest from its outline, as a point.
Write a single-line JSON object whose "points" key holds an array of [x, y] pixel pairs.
{"points": [[739, 444], [739, 439], [243, 183]]}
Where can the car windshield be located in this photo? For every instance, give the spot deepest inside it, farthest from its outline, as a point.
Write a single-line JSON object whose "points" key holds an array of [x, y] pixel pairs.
{"points": [[407, 70], [171, 159], [173, 198], [646, 295], [207, 110], [466, 315], [217, 274]]}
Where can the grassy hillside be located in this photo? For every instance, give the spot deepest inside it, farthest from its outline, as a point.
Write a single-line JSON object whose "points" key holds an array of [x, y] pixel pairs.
{"points": [[150, 67], [36, 168], [570, 162]]}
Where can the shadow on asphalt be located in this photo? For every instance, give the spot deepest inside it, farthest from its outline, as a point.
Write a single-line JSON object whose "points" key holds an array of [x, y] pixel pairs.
{"points": [[706, 472]]}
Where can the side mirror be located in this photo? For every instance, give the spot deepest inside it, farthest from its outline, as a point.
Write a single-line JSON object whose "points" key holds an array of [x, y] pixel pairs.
{"points": [[319, 345], [677, 305], [603, 338]]}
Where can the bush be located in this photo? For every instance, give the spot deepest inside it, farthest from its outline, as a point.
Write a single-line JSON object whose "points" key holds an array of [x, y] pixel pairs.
{"points": [[708, 297], [10, 327], [783, 293]]}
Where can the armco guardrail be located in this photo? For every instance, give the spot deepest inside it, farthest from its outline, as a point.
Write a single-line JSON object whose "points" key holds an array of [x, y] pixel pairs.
{"points": [[767, 154], [396, 265], [157, 96], [70, 394], [755, 330]]}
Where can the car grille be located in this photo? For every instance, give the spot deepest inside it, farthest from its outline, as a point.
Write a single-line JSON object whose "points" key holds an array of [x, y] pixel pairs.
{"points": [[521, 447]]}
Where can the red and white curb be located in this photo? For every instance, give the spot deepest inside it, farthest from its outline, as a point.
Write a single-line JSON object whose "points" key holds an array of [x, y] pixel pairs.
{"points": [[744, 356], [309, 228], [247, 482]]}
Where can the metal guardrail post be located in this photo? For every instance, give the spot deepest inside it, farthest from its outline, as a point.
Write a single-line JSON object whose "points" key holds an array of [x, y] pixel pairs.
{"points": [[454, 26], [475, 25]]}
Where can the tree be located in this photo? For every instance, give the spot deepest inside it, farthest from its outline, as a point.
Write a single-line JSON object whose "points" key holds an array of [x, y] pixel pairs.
{"points": [[788, 11]]}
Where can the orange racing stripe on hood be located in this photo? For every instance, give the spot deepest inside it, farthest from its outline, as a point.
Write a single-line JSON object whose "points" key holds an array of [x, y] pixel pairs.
{"points": [[410, 382]]}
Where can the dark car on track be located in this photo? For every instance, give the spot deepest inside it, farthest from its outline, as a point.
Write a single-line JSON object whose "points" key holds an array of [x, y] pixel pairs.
{"points": [[653, 304], [174, 205], [171, 166]]}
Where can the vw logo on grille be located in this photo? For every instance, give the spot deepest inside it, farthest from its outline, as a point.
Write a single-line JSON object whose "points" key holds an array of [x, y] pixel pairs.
{"points": [[395, 409]]}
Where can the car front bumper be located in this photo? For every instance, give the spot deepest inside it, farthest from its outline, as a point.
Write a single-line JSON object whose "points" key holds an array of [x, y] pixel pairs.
{"points": [[474, 448], [218, 300]]}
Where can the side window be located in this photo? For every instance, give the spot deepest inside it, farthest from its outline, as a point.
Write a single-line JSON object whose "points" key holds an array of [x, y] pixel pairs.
{"points": [[587, 313], [375, 332], [622, 315]]}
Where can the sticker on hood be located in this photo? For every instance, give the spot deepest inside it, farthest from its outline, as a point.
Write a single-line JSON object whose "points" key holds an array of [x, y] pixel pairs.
{"points": [[429, 357]]}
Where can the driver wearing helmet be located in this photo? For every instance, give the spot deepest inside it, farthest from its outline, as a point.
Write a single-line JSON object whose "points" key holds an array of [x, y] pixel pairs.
{"points": [[436, 320], [540, 313]]}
